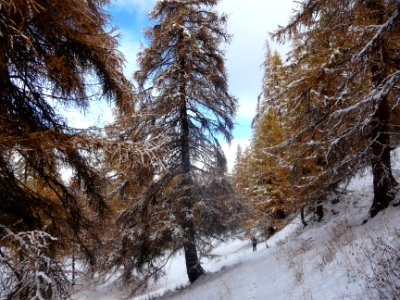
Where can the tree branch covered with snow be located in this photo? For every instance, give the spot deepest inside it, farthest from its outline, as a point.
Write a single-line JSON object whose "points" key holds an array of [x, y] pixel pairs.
{"points": [[28, 269]]}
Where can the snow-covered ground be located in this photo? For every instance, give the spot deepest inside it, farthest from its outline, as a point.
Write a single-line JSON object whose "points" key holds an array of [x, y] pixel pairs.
{"points": [[332, 259]]}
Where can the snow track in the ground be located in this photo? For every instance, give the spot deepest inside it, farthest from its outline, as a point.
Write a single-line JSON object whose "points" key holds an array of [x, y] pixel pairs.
{"points": [[325, 260]]}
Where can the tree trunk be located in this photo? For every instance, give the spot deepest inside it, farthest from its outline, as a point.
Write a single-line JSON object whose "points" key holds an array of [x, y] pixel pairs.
{"points": [[193, 267], [4, 76], [381, 163], [303, 219], [319, 211], [73, 264], [383, 179]]}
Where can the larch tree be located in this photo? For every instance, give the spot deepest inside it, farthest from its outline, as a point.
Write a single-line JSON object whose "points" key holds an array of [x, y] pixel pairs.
{"points": [[183, 96], [344, 92], [48, 50], [269, 177], [299, 104], [273, 85], [269, 168], [241, 173]]}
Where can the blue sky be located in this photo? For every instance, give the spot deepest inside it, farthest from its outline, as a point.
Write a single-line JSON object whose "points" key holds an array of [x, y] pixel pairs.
{"points": [[249, 22]]}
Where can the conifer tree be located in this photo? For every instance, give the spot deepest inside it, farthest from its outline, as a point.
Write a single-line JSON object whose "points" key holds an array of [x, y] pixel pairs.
{"points": [[269, 170], [47, 51], [343, 92], [242, 173], [238, 158], [183, 97], [273, 85]]}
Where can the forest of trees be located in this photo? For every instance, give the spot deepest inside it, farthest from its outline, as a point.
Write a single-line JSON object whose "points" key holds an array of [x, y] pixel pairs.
{"points": [[155, 182], [330, 111]]}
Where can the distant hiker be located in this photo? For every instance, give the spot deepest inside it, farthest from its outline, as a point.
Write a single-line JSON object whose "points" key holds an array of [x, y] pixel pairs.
{"points": [[254, 242]]}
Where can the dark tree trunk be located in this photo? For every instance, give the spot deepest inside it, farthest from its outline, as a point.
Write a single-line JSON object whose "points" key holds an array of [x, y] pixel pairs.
{"points": [[383, 179], [381, 164], [4, 76], [319, 211], [303, 219], [193, 267]]}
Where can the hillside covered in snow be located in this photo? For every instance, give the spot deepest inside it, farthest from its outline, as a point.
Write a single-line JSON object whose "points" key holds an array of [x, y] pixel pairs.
{"points": [[341, 257]]}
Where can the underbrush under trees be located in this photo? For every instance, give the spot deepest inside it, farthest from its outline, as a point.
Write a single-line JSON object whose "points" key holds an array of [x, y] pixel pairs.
{"points": [[28, 268]]}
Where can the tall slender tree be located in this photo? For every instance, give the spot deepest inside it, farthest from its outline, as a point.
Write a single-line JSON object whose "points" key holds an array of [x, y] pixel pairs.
{"points": [[184, 96], [269, 186]]}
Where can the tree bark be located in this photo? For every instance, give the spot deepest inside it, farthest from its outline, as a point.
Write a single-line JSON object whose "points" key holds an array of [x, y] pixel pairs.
{"points": [[319, 211], [4, 76], [383, 179], [193, 267], [303, 219]]}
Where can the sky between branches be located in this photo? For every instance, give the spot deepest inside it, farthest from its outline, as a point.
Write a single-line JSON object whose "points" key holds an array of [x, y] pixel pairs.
{"points": [[249, 23]]}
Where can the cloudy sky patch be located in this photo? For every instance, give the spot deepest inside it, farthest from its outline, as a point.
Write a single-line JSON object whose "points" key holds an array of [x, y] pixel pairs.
{"points": [[144, 6], [249, 23]]}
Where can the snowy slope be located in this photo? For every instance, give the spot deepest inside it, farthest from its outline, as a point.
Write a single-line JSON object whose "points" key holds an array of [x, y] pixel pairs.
{"points": [[333, 259]]}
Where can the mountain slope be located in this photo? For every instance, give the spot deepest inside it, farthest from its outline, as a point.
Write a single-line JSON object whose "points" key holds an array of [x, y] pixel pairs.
{"points": [[333, 259], [337, 258]]}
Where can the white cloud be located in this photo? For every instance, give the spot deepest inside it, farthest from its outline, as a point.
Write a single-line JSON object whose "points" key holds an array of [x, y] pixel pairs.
{"points": [[129, 46], [246, 109], [231, 149], [143, 6], [99, 113], [250, 22]]}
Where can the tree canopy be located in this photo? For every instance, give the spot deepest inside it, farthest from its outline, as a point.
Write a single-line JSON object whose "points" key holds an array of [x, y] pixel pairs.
{"points": [[182, 96], [48, 52]]}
